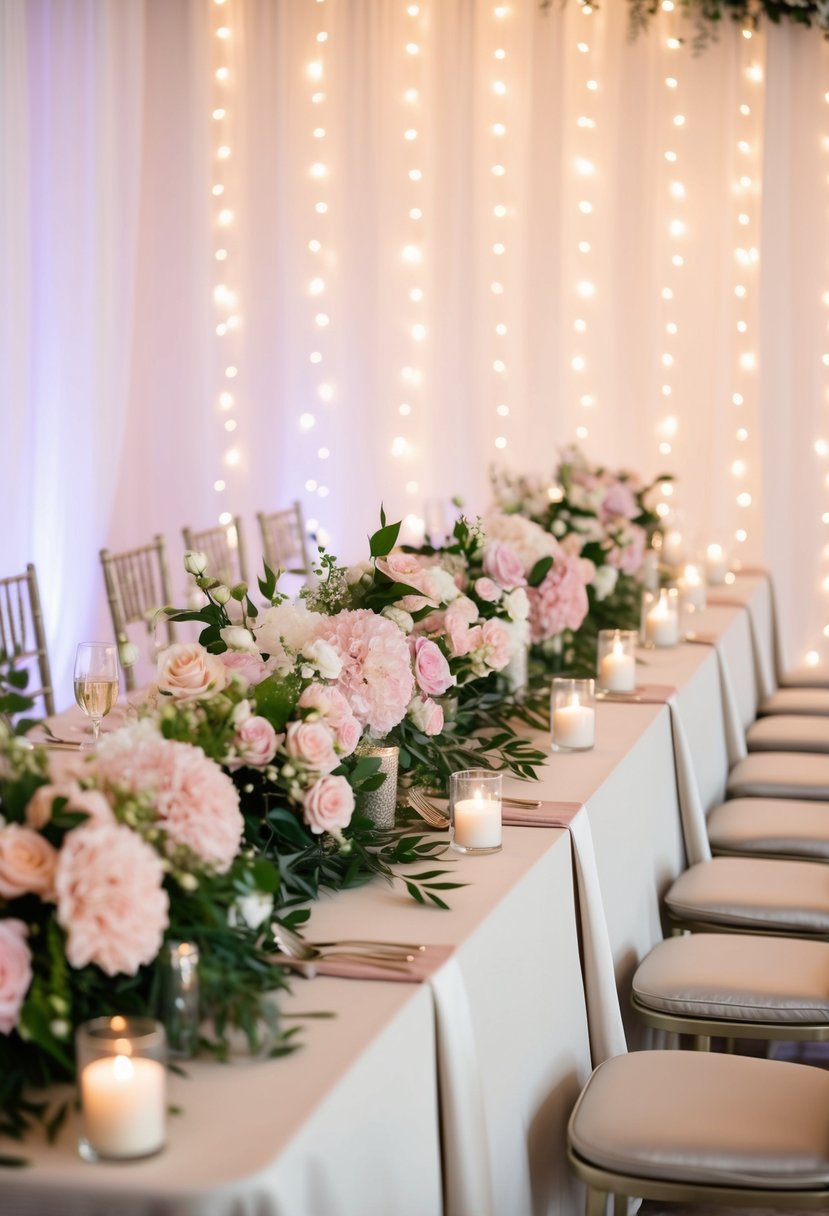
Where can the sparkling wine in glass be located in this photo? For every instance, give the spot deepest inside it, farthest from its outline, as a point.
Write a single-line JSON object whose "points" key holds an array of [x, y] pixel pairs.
{"points": [[96, 681]]}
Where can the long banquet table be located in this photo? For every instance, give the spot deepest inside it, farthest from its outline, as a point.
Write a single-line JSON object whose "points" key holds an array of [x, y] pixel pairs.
{"points": [[453, 1095]]}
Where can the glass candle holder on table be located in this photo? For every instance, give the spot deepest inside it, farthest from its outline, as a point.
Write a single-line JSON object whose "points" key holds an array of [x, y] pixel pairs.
{"points": [[616, 666], [572, 715], [179, 1009], [660, 618], [122, 1076], [475, 811]]}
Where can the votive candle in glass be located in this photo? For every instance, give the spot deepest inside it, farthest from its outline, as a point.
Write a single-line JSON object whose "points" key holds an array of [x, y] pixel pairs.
{"points": [[179, 1007], [475, 811], [572, 715], [616, 667], [691, 587], [673, 547], [122, 1076], [660, 617], [716, 565]]}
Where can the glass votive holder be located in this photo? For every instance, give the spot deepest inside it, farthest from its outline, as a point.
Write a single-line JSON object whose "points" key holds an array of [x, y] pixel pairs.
{"points": [[572, 715], [475, 811], [616, 666], [692, 591], [716, 565], [660, 617], [122, 1075], [179, 1004]]}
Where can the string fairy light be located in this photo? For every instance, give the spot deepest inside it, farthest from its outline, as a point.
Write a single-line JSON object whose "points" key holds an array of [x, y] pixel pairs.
{"points": [[225, 256], [498, 119]]}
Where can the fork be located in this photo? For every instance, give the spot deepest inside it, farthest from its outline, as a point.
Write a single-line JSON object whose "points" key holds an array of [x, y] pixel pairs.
{"points": [[382, 954], [432, 814]]}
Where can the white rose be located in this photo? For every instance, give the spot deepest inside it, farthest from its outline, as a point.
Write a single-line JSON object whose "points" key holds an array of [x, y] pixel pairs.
{"points": [[195, 561], [128, 654], [604, 581], [517, 604], [241, 713], [253, 910], [439, 585], [237, 638], [324, 658], [400, 617], [355, 573], [221, 594]]}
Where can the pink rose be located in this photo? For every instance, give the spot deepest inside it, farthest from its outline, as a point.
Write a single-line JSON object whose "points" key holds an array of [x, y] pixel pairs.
{"points": [[618, 500], [255, 744], [458, 617], [334, 710], [188, 672], [485, 589], [347, 735], [27, 863], [402, 568], [111, 902], [427, 715], [15, 972], [328, 805], [431, 668], [250, 667], [312, 744], [504, 565], [88, 802], [497, 644], [629, 558]]}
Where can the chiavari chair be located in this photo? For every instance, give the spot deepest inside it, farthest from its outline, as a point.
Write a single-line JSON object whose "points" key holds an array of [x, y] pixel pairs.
{"points": [[138, 588], [21, 631]]}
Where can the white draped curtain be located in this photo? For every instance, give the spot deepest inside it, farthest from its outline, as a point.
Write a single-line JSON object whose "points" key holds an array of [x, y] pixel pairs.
{"points": [[353, 250]]}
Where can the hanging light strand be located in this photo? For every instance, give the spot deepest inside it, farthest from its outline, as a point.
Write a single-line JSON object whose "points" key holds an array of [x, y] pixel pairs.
{"points": [[502, 222], [585, 175]]}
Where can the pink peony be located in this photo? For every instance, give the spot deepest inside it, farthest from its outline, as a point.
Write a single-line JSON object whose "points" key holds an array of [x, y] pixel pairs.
{"points": [[312, 744], [376, 678], [618, 500], [456, 621], [427, 715], [250, 667], [561, 600], [254, 743], [431, 668], [335, 711], [15, 972], [27, 863], [89, 802], [194, 801], [111, 901], [188, 672], [503, 564], [328, 805]]}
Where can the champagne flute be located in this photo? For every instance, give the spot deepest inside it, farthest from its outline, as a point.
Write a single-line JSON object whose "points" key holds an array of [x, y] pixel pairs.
{"points": [[96, 681]]}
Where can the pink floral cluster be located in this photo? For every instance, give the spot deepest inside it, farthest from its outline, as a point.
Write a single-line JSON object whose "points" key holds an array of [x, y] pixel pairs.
{"points": [[376, 676], [560, 601]]}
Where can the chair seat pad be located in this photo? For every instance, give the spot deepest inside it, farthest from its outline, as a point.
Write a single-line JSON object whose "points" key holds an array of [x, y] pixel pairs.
{"points": [[737, 978], [780, 775], [787, 827], [797, 701], [806, 677], [697, 1117], [788, 733], [754, 892]]}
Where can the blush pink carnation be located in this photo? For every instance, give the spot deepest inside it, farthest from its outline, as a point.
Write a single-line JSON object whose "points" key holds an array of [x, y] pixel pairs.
{"points": [[457, 619], [504, 565], [312, 744], [194, 801], [254, 744], [111, 901], [15, 972], [328, 805], [431, 668], [88, 802], [27, 863], [560, 602], [376, 678]]}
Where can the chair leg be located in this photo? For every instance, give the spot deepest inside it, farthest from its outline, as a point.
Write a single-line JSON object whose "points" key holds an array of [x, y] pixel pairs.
{"points": [[702, 1042], [620, 1205], [596, 1202]]}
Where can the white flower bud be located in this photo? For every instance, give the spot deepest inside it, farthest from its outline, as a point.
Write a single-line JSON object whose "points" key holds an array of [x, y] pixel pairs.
{"points": [[195, 561], [128, 653], [221, 594]]}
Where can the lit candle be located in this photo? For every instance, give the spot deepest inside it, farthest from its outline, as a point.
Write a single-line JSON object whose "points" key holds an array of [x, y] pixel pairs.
{"points": [[617, 670], [574, 726], [673, 546], [124, 1105], [662, 624], [477, 822], [716, 565], [691, 590]]}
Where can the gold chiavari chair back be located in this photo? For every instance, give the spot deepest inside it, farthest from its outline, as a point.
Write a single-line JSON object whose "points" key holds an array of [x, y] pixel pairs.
{"points": [[284, 542], [225, 549], [22, 633], [137, 586]]}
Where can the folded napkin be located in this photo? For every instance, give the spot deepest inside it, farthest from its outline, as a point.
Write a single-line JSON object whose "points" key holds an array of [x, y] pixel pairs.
{"points": [[547, 815], [423, 966], [645, 694], [702, 639]]}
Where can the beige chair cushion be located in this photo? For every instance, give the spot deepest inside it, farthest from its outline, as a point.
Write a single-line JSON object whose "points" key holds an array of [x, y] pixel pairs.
{"points": [[788, 733], [709, 1119], [787, 827], [780, 775], [806, 677], [737, 978], [753, 892], [797, 701]]}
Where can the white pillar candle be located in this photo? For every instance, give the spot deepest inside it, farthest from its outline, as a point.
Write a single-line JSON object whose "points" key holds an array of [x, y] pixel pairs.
{"points": [[673, 547], [691, 590], [574, 726], [617, 670], [662, 626], [124, 1105], [477, 823], [716, 565]]}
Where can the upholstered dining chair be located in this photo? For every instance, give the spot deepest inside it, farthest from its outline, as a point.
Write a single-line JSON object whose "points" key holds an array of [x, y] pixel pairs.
{"points": [[138, 586], [21, 631], [689, 1127], [225, 548], [284, 543]]}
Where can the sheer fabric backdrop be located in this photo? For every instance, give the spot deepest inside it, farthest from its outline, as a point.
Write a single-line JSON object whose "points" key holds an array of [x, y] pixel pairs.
{"points": [[449, 235]]}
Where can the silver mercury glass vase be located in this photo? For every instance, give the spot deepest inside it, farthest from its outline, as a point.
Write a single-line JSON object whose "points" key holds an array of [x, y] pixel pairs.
{"points": [[380, 805]]}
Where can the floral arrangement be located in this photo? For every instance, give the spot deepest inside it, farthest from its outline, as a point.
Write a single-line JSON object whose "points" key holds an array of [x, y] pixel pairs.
{"points": [[103, 859], [602, 520], [706, 15]]}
